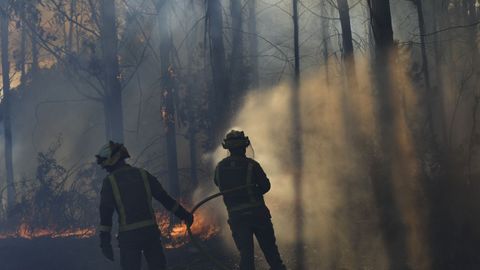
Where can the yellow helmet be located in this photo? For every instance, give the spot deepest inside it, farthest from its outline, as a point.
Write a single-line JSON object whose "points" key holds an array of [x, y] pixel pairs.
{"points": [[111, 153]]}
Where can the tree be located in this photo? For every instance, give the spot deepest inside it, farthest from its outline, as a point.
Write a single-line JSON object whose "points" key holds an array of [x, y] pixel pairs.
{"points": [[33, 15], [391, 223], [347, 40], [20, 55], [113, 92], [238, 81], [297, 144], [347, 45], [73, 15], [168, 89], [325, 25], [253, 42], [220, 94], [7, 124], [425, 67]]}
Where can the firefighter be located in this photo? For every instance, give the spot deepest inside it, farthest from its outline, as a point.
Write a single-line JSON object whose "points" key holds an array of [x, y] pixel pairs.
{"points": [[129, 191], [247, 213]]}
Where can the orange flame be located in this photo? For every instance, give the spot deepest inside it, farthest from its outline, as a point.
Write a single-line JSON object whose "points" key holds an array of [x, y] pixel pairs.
{"points": [[175, 235], [26, 232]]}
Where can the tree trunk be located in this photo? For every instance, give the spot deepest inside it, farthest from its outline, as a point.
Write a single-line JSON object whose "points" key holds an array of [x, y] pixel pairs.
{"points": [[220, 96], [23, 51], [191, 112], [350, 83], [438, 85], [113, 91], [425, 69], [168, 102], [73, 16], [6, 109], [253, 43], [34, 43], [297, 146], [237, 66], [325, 40], [391, 222], [192, 143], [347, 40]]}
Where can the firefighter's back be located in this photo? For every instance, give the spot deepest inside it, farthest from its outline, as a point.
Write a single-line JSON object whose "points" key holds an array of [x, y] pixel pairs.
{"points": [[236, 172], [133, 194]]}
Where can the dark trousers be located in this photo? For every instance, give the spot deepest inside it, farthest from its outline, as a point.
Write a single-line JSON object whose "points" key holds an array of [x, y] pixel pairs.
{"points": [[143, 241], [243, 230]]}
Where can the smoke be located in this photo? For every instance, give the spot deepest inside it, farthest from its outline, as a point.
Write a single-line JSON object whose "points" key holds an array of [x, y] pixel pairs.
{"points": [[343, 224], [341, 217]]}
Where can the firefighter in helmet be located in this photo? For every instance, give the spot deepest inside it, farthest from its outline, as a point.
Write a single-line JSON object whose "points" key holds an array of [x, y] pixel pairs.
{"points": [[129, 191], [247, 213]]}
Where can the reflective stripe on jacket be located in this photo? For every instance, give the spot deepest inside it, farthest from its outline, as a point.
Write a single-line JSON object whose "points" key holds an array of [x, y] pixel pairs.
{"points": [[129, 191], [238, 171]]}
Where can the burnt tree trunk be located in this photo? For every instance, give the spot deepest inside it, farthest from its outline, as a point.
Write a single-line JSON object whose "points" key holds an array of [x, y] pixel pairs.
{"points": [[220, 95], [253, 43], [113, 92], [7, 125], [391, 222], [168, 94]]}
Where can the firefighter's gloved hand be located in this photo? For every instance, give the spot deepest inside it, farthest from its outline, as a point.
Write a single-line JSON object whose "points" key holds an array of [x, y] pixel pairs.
{"points": [[106, 246], [189, 220], [185, 216]]}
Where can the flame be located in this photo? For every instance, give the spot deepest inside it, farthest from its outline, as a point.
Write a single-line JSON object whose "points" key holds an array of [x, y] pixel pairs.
{"points": [[174, 235], [26, 232]]}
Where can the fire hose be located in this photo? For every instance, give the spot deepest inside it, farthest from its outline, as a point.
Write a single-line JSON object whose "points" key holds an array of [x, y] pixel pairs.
{"points": [[218, 264]]}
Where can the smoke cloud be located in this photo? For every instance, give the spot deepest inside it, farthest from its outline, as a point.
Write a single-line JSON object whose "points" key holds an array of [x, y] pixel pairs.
{"points": [[342, 224]]}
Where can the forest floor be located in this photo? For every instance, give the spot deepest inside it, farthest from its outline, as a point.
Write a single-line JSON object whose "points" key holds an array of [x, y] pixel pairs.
{"points": [[84, 254]]}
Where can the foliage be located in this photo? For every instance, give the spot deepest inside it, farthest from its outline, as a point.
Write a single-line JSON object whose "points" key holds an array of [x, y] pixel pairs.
{"points": [[52, 199]]}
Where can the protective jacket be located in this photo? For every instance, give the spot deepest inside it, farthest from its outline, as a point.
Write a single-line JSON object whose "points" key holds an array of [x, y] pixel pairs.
{"points": [[237, 171], [248, 214], [129, 191]]}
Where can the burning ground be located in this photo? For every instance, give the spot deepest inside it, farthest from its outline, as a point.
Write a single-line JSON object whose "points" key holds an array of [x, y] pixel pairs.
{"points": [[54, 223], [54, 247]]}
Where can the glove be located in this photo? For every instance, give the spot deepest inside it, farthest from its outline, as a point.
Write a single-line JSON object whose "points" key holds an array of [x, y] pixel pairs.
{"points": [[184, 215], [106, 246], [189, 220]]}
